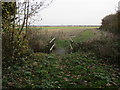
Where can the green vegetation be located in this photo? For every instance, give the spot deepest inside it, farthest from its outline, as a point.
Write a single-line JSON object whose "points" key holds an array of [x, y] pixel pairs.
{"points": [[105, 48], [87, 67], [91, 63], [111, 23], [62, 43], [14, 44], [85, 35], [8, 11], [75, 70]]}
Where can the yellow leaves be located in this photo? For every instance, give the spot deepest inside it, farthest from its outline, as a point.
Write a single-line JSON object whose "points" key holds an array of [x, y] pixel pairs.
{"points": [[24, 46], [7, 12], [2, 3]]}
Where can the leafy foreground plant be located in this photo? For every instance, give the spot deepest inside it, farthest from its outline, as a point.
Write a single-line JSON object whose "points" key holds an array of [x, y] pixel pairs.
{"points": [[70, 71]]}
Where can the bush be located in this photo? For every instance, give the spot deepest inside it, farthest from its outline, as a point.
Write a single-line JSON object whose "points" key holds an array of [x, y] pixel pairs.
{"points": [[13, 48], [104, 48], [111, 23], [38, 42]]}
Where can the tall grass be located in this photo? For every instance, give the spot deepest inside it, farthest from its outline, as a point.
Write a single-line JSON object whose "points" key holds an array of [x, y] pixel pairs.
{"points": [[37, 40]]}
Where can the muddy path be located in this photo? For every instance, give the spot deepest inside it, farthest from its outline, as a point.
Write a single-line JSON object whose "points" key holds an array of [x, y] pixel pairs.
{"points": [[60, 51]]}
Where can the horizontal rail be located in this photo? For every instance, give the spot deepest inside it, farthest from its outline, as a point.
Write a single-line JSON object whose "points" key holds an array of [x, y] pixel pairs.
{"points": [[51, 44], [52, 47], [71, 40], [52, 40]]}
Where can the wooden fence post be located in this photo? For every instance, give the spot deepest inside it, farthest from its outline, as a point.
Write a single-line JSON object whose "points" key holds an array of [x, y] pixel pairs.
{"points": [[71, 47]]}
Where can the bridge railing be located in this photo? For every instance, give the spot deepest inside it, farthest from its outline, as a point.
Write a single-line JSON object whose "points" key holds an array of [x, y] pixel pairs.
{"points": [[51, 45]]}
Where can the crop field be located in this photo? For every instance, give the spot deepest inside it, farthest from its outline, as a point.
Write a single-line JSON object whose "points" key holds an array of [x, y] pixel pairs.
{"points": [[62, 32], [62, 27]]}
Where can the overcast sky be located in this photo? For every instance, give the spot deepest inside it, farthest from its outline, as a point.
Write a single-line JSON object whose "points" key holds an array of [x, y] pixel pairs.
{"points": [[81, 12]]}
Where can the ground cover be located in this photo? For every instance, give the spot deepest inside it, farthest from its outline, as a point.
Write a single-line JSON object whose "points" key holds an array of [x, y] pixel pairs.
{"points": [[75, 70]]}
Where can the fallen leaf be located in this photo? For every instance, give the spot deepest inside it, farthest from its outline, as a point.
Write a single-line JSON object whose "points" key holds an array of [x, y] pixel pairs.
{"points": [[10, 83], [66, 79], [108, 84]]}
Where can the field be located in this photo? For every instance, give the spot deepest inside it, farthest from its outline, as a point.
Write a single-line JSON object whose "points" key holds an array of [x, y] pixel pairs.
{"points": [[65, 33], [86, 67]]}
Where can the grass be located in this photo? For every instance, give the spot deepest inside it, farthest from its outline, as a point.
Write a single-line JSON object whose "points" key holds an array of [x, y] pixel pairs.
{"points": [[62, 43], [86, 35]]}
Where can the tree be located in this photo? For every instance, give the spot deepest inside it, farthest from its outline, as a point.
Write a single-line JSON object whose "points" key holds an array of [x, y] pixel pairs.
{"points": [[118, 13], [16, 17], [110, 23], [29, 9]]}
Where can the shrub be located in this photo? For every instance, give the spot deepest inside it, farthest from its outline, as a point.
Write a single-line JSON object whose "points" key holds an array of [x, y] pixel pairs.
{"points": [[111, 23], [38, 42], [13, 48], [105, 48]]}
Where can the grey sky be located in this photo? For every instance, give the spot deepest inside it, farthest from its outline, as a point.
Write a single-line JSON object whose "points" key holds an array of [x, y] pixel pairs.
{"points": [[83, 12]]}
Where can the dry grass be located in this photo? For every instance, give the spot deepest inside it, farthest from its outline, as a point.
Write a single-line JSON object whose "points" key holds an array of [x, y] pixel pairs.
{"points": [[62, 34], [38, 38]]}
